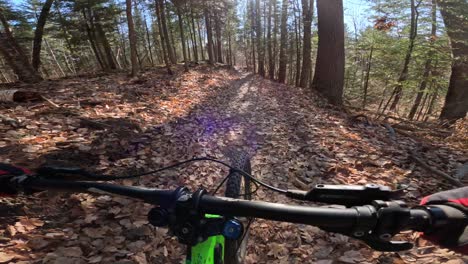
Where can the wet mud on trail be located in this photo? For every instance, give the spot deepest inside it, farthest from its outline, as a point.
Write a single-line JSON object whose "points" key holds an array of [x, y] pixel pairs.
{"points": [[116, 125]]}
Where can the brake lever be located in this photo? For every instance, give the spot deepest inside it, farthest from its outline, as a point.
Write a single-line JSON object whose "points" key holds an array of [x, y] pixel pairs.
{"points": [[347, 195], [380, 244]]}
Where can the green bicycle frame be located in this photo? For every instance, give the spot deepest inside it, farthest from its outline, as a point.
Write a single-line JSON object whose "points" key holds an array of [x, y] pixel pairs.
{"points": [[210, 251]]}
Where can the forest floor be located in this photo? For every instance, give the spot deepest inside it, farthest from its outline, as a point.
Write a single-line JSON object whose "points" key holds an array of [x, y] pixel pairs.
{"points": [[117, 125]]}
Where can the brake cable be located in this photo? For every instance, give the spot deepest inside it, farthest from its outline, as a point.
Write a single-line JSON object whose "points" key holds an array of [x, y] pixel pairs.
{"points": [[110, 178]]}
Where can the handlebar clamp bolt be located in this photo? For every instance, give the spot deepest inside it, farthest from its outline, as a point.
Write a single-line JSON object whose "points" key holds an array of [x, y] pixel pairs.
{"points": [[358, 234], [385, 236]]}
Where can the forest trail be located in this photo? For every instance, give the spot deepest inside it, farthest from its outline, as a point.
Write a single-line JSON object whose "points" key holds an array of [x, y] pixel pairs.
{"points": [[118, 125]]}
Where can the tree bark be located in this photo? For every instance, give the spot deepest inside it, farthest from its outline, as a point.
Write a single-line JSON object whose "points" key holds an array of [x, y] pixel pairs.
{"points": [[430, 108], [202, 50], [105, 43], [165, 50], [182, 36], [209, 35], [307, 13], [15, 56], [366, 81], [297, 26], [219, 47], [37, 43], [260, 47], [195, 45], [92, 41], [163, 22], [283, 60], [454, 13], [275, 36], [132, 38], [271, 59], [398, 90], [329, 67], [252, 35], [148, 41]]}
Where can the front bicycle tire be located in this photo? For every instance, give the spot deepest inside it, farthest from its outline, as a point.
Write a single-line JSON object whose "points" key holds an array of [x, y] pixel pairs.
{"points": [[239, 187]]}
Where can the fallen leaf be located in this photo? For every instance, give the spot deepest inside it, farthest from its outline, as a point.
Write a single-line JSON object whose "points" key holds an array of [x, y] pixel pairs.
{"points": [[5, 257]]}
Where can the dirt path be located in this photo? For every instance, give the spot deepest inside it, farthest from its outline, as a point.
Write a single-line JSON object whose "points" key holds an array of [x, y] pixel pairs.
{"points": [[295, 141]]}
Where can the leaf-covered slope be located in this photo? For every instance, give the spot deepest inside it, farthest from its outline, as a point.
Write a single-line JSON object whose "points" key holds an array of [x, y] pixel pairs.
{"points": [[118, 125]]}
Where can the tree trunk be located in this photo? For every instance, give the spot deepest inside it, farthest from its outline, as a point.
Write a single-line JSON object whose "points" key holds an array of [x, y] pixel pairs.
{"points": [[209, 35], [260, 47], [275, 36], [148, 41], [132, 38], [37, 43], [232, 62], [271, 59], [219, 46], [329, 68], [307, 13], [366, 81], [422, 106], [428, 64], [422, 88], [202, 49], [165, 50], [430, 108], [182, 36], [252, 35], [15, 56], [92, 42], [454, 13], [195, 46], [398, 90], [297, 27], [54, 58], [169, 46], [105, 44], [64, 28], [283, 60]]}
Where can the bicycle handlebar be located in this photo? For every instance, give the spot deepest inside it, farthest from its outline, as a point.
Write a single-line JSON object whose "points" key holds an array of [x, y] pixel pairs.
{"points": [[374, 224]]}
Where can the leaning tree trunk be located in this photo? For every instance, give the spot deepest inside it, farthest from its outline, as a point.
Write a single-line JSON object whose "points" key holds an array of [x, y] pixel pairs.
{"points": [[15, 56], [37, 43], [307, 12], [283, 60], [329, 67], [454, 13], [102, 39]]}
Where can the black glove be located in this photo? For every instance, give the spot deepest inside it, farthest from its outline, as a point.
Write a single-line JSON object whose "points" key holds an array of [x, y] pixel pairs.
{"points": [[453, 205], [6, 173]]}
